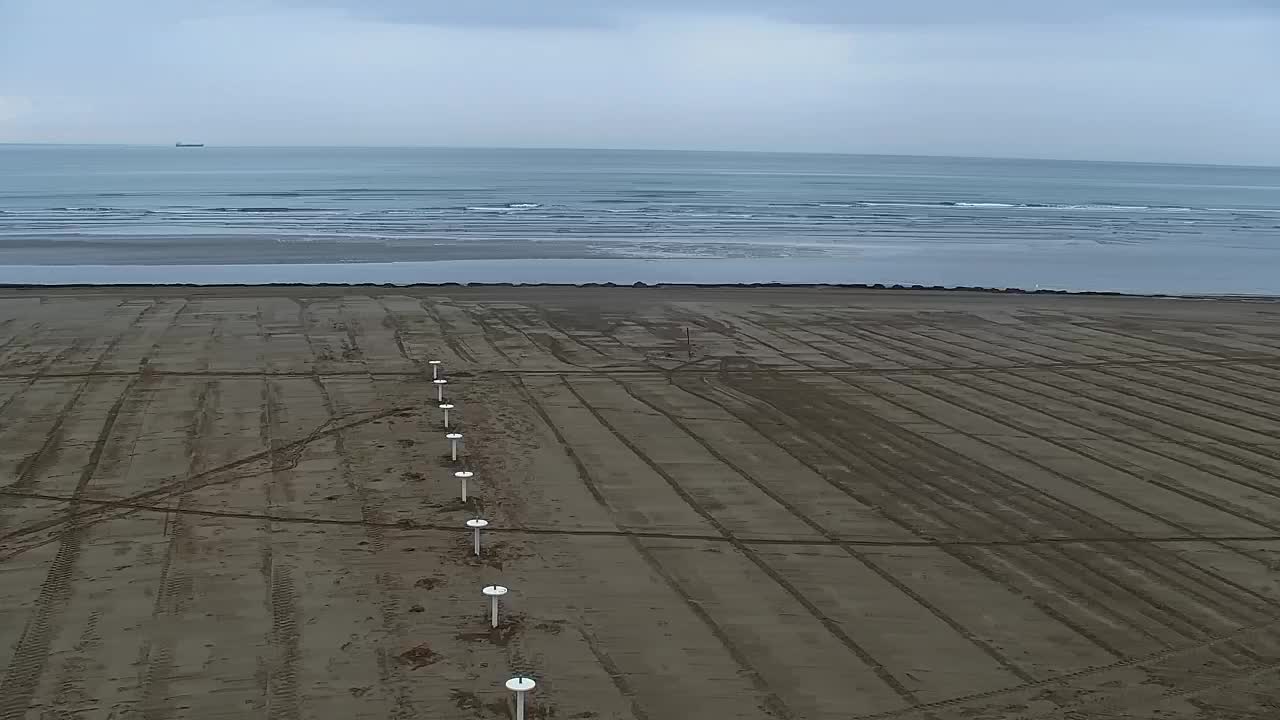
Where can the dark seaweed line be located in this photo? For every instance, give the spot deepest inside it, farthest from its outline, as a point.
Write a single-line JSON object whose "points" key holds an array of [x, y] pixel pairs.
{"points": [[947, 620], [771, 699], [832, 627]]}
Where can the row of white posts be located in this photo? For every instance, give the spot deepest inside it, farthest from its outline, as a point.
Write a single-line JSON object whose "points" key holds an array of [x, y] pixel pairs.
{"points": [[518, 684]]}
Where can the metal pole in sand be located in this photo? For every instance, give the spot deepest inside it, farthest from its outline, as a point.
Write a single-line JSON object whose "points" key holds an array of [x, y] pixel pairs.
{"points": [[435, 368], [453, 443], [520, 685], [446, 407], [476, 525], [463, 475], [494, 592], [440, 383]]}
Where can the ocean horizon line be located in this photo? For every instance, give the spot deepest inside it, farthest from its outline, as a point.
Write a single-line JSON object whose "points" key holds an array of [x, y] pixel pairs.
{"points": [[676, 151]]}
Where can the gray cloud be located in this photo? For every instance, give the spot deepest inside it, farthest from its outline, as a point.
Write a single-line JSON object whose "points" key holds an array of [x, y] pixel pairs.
{"points": [[1127, 79]]}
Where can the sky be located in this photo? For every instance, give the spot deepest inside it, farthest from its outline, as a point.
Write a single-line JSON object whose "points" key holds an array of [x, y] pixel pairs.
{"points": [[1147, 80]]}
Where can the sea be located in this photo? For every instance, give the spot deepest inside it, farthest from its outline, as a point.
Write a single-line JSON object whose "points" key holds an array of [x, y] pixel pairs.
{"points": [[130, 214]]}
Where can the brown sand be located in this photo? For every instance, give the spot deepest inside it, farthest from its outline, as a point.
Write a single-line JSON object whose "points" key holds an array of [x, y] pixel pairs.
{"points": [[236, 503]]}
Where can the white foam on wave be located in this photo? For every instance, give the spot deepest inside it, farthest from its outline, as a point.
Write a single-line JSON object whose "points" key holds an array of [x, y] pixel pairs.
{"points": [[503, 208]]}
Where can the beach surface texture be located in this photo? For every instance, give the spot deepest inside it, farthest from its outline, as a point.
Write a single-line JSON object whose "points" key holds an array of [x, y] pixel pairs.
{"points": [[705, 503]]}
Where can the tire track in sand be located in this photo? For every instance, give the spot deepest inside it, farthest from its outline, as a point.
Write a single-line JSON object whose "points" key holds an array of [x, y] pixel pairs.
{"points": [[770, 700], [986, 648], [831, 626], [30, 656]]}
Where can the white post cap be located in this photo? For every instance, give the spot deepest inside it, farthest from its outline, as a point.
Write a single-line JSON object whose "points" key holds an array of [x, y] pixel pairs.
{"points": [[454, 436], [440, 381], [446, 406], [477, 523], [521, 684], [495, 590], [464, 474]]}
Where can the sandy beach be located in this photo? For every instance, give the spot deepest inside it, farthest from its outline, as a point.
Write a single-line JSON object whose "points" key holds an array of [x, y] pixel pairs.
{"points": [[791, 503]]}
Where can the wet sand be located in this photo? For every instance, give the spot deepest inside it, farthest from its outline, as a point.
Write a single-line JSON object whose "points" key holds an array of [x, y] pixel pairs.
{"points": [[819, 503]]}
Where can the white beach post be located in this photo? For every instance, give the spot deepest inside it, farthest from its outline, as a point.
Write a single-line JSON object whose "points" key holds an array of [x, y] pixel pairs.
{"points": [[476, 525], [453, 444], [435, 368], [440, 383], [494, 592], [446, 407], [520, 685], [463, 475]]}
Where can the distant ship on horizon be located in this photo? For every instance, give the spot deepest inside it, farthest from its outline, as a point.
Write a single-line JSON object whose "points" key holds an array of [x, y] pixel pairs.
{"points": [[182, 144]]}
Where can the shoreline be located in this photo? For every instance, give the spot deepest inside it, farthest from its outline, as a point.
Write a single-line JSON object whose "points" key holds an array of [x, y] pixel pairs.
{"points": [[855, 287]]}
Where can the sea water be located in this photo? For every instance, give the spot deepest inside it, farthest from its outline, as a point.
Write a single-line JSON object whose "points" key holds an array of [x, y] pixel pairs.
{"points": [[401, 215]]}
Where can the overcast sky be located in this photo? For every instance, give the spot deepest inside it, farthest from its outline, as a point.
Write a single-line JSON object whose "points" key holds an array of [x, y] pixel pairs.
{"points": [[1158, 80]]}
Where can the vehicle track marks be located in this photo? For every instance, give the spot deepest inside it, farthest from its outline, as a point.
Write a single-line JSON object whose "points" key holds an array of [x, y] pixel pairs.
{"points": [[831, 626]]}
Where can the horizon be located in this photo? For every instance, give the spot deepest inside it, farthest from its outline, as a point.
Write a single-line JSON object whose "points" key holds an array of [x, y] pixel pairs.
{"points": [[211, 146]]}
